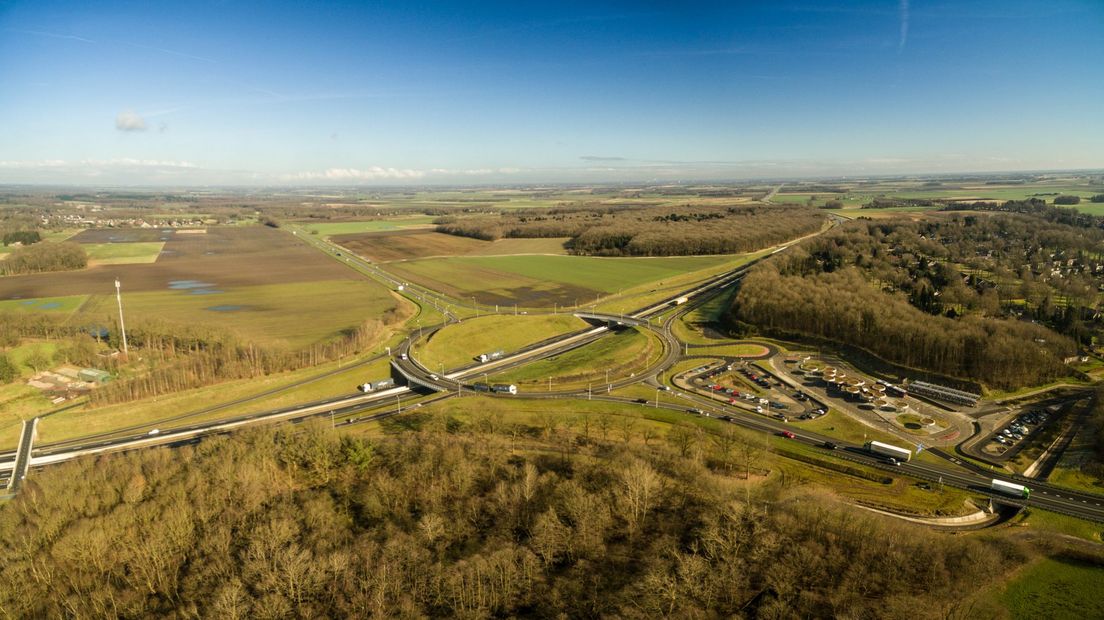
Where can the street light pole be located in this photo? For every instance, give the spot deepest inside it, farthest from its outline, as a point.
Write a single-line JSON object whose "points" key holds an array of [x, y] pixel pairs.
{"points": [[122, 326]]}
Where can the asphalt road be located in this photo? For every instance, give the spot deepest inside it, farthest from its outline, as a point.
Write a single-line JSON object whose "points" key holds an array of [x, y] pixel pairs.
{"points": [[1044, 496]]}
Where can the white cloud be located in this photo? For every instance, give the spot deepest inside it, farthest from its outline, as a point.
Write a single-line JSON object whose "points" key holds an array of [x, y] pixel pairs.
{"points": [[129, 120], [373, 173]]}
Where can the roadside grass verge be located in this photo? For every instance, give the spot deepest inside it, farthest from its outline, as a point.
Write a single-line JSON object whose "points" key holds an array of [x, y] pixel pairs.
{"points": [[149, 413]]}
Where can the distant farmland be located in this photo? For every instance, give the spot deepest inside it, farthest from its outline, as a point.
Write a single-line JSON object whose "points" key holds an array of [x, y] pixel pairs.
{"points": [[412, 244], [544, 280], [224, 257], [256, 281]]}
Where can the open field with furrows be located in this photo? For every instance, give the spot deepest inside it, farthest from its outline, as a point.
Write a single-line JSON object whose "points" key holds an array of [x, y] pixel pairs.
{"points": [[457, 345], [294, 315], [544, 280], [220, 259], [414, 244], [622, 354]]}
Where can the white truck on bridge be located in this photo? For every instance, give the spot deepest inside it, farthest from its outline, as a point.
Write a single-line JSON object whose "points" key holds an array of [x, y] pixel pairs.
{"points": [[1010, 488], [893, 452]]}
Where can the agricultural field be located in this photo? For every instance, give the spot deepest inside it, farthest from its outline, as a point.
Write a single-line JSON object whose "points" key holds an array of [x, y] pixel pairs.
{"points": [[532, 281], [66, 304], [123, 253], [222, 258], [415, 244], [264, 314], [327, 229], [457, 345], [257, 281]]}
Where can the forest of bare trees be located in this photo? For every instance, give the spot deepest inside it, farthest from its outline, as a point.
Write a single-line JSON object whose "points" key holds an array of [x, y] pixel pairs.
{"points": [[461, 520], [950, 296], [648, 231]]}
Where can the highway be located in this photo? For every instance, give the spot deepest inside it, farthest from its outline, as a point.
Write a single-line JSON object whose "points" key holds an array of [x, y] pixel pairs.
{"points": [[456, 381]]}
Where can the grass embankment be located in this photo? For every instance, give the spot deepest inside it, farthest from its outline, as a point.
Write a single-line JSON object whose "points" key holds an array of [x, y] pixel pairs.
{"points": [[457, 345], [1053, 588], [77, 423], [622, 354]]}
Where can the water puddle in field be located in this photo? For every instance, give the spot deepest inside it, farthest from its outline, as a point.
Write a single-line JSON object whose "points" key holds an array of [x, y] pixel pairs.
{"points": [[182, 285], [226, 308], [35, 304], [194, 287]]}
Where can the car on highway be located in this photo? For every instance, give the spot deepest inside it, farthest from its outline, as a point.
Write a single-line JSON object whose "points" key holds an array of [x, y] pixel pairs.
{"points": [[788, 435], [829, 445], [642, 401], [154, 431], [433, 377]]}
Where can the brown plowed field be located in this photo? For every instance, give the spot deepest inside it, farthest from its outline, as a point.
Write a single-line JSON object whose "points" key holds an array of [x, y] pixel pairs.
{"points": [[224, 257], [411, 244]]}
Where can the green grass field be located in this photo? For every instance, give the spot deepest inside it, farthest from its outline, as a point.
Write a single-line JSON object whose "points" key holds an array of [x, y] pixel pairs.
{"points": [[623, 353], [123, 253], [292, 314], [345, 228], [457, 345], [44, 304], [535, 280], [1056, 589]]}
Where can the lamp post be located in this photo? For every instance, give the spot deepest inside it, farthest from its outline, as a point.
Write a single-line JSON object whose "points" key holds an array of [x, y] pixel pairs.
{"points": [[122, 326]]}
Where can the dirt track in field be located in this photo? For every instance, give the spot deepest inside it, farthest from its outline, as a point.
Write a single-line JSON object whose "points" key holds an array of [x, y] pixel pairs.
{"points": [[224, 257]]}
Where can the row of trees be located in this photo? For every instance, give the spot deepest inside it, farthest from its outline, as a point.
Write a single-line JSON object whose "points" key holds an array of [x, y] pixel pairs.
{"points": [[459, 520], [63, 256], [23, 237], [649, 231]]}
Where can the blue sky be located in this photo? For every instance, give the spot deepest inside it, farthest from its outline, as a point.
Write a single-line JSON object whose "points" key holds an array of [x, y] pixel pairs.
{"points": [[409, 93]]}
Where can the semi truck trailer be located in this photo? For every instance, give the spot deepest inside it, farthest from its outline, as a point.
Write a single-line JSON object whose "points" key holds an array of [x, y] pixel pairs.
{"points": [[893, 452], [1010, 488]]}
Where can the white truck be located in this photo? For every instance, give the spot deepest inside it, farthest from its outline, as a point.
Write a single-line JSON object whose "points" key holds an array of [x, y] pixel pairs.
{"points": [[502, 388], [681, 300], [376, 385], [493, 355], [886, 450], [1010, 488]]}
